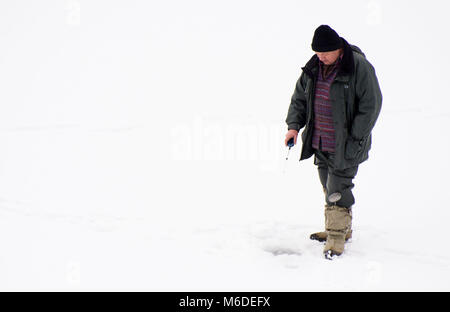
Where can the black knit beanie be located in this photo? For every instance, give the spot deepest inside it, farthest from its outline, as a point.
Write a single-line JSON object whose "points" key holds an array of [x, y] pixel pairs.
{"points": [[325, 39]]}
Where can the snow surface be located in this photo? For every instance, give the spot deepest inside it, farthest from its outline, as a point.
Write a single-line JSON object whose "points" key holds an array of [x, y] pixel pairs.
{"points": [[142, 147]]}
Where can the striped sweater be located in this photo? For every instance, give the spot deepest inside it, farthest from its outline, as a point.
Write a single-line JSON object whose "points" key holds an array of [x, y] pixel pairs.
{"points": [[323, 134]]}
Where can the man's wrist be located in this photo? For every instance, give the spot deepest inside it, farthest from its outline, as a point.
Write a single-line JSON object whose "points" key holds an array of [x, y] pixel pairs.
{"points": [[294, 126]]}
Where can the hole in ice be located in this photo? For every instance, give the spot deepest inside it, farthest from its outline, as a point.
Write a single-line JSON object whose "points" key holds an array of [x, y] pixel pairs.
{"points": [[280, 251]]}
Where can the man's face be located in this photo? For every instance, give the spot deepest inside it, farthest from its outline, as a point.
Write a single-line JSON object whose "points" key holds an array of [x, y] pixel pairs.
{"points": [[329, 57]]}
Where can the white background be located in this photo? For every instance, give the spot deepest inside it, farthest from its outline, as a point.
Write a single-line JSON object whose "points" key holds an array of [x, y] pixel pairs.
{"points": [[142, 147]]}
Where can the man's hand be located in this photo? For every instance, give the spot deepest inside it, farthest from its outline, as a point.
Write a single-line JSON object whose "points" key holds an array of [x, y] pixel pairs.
{"points": [[291, 134]]}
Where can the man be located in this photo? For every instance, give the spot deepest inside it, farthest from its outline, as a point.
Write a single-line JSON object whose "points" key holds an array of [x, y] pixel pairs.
{"points": [[337, 99]]}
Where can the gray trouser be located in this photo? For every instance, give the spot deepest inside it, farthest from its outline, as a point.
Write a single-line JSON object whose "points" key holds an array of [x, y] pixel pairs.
{"points": [[334, 180]]}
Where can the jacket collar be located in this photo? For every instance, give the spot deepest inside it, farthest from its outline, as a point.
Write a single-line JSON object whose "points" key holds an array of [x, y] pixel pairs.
{"points": [[347, 66]]}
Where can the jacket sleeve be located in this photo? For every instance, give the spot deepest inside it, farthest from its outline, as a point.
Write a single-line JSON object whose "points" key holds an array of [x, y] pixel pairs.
{"points": [[369, 105], [296, 117]]}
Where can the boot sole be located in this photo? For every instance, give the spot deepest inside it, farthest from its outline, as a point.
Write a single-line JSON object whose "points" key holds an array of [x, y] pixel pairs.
{"points": [[317, 238], [321, 239]]}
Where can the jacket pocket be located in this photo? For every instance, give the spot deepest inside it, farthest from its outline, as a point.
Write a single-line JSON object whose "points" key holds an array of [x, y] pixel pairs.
{"points": [[353, 148]]}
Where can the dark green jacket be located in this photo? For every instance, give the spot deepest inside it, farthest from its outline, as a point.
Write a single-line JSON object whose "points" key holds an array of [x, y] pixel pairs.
{"points": [[356, 103]]}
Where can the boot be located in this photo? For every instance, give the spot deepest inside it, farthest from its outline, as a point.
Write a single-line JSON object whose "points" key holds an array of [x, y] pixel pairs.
{"points": [[337, 225], [322, 236]]}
